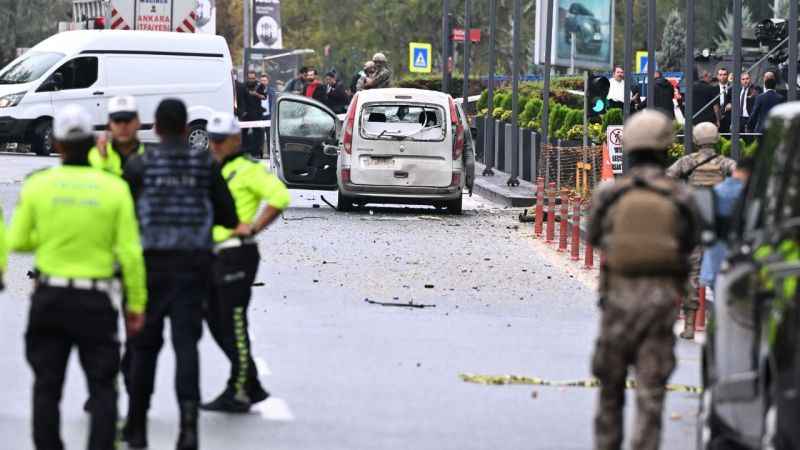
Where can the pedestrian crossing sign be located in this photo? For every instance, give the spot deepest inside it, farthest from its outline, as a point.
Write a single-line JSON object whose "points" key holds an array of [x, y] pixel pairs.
{"points": [[419, 57]]}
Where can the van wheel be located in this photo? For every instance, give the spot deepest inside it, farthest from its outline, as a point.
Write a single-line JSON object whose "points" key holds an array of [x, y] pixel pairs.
{"points": [[41, 142], [344, 203], [198, 136], [455, 206]]}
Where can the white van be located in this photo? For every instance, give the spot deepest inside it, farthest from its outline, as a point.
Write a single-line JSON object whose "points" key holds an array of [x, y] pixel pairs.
{"points": [[395, 146], [89, 67]]}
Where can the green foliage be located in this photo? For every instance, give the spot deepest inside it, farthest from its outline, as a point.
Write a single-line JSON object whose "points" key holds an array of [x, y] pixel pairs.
{"points": [[572, 118], [751, 150], [499, 98], [723, 41], [434, 83], [725, 146], [557, 116], [483, 102], [507, 102], [676, 152], [532, 110], [612, 117], [673, 42]]}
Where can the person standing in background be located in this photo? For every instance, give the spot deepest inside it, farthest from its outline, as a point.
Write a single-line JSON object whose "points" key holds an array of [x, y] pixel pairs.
{"points": [[268, 95]]}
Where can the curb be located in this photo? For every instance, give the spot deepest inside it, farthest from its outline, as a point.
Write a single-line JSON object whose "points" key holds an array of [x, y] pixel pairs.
{"points": [[494, 188]]}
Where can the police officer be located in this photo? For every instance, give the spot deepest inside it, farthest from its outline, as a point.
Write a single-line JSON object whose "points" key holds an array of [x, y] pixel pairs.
{"points": [[645, 224], [237, 259], [123, 123], [704, 168], [383, 75], [179, 195], [77, 221]]}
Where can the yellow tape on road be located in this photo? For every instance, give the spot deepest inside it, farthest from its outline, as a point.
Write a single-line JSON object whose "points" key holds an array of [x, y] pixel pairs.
{"points": [[534, 381]]}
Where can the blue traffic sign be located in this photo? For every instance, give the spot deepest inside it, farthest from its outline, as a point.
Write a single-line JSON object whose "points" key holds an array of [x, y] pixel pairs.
{"points": [[419, 55]]}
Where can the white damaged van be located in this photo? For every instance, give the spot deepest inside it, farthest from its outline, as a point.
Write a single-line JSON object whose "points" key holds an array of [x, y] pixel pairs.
{"points": [[88, 67]]}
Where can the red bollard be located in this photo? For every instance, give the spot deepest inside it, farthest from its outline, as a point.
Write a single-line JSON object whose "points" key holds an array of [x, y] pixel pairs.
{"points": [[588, 262], [564, 215], [551, 214], [537, 225], [576, 228], [700, 319]]}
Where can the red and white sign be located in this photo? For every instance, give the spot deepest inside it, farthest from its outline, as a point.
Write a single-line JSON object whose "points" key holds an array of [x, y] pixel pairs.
{"points": [[117, 21], [458, 35], [614, 140]]}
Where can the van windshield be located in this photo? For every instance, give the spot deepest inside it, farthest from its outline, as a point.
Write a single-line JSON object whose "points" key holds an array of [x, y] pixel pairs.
{"points": [[32, 66], [403, 122]]}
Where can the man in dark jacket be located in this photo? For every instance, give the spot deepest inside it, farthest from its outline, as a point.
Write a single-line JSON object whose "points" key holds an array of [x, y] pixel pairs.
{"points": [[704, 94], [335, 96], [179, 194], [250, 110], [748, 99], [764, 104], [297, 85], [267, 94], [665, 93]]}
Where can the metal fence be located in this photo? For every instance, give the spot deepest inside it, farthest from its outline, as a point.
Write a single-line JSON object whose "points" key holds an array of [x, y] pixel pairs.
{"points": [[577, 169]]}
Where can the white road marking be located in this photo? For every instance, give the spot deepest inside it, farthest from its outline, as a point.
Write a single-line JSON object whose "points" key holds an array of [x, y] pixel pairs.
{"points": [[275, 409], [262, 367]]}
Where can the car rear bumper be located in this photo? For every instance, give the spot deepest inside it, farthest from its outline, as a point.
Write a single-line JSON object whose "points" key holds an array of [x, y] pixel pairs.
{"points": [[13, 129], [401, 192]]}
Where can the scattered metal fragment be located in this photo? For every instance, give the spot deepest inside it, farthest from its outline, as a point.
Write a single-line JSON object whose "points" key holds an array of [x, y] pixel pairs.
{"points": [[327, 202], [399, 305], [587, 383]]}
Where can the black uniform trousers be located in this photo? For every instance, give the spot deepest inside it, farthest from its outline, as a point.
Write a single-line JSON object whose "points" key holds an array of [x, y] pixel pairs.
{"points": [[59, 319], [176, 291], [234, 272]]}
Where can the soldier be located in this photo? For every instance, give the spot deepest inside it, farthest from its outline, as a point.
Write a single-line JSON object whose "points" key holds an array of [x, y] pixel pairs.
{"points": [[383, 75], [236, 261], [704, 168], [78, 221], [123, 122], [645, 224]]}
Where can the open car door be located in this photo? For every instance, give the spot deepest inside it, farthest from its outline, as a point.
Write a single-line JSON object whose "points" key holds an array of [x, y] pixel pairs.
{"points": [[304, 143]]}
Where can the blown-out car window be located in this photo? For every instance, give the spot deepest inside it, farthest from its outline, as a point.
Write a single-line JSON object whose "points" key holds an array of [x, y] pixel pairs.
{"points": [[78, 73], [302, 120], [403, 122]]}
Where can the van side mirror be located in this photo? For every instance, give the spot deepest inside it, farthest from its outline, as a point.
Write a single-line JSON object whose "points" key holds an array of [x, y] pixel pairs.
{"points": [[706, 203]]}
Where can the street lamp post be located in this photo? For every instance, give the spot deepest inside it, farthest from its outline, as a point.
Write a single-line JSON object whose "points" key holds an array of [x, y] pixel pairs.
{"points": [[688, 74], [792, 50], [548, 43], [467, 25], [626, 107], [488, 147], [512, 180], [736, 112], [651, 53], [445, 46]]}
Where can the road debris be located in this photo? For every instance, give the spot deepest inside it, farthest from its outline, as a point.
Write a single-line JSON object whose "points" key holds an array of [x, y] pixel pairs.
{"points": [[534, 381], [399, 305]]}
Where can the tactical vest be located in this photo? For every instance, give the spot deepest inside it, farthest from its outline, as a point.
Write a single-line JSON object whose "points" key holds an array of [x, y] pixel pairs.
{"points": [[645, 226], [707, 173], [174, 207]]}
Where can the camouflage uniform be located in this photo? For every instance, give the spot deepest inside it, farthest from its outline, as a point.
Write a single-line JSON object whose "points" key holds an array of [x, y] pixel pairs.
{"points": [[383, 77], [678, 170], [635, 330]]}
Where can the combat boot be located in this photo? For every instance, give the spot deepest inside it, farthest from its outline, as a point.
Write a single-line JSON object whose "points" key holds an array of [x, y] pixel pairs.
{"points": [[188, 438], [688, 325], [135, 430], [229, 402]]}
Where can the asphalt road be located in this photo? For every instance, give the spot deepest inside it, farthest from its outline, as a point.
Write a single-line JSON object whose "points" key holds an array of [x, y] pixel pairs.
{"points": [[350, 375]]}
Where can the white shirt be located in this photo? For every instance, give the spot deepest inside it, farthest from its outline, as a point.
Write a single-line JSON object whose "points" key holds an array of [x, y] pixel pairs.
{"points": [[745, 112], [723, 89], [617, 90]]}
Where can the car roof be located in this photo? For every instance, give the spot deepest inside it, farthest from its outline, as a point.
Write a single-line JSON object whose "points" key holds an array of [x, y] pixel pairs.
{"points": [[401, 94], [73, 42]]}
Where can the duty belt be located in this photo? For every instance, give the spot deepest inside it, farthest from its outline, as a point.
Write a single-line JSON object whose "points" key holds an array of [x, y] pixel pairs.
{"points": [[86, 284], [234, 243]]}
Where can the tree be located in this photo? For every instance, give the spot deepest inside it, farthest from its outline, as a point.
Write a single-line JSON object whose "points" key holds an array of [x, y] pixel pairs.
{"points": [[673, 42], [26, 23], [724, 42], [780, 8]]}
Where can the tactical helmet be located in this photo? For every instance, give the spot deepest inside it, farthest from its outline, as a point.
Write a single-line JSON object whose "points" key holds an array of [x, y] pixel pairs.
{"points": [[649, 130], [705, 134], [379, 58]]}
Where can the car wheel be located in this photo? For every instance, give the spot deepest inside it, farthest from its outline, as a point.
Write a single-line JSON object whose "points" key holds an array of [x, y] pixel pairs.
{"points": [[41, 142], [198, 136], [344, 203], [455, 206]]}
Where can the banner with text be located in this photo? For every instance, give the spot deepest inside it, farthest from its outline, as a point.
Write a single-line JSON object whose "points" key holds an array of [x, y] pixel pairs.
{"points": [[267, 24]]}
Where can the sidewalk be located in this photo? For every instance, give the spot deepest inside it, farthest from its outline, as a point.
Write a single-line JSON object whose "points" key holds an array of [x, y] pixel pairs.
{"points": [[494, 188]]}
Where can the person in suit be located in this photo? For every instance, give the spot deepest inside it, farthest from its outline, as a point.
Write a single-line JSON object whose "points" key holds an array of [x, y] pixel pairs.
{"points": [[704, 93], [764, 104], [724, 100], [747, 99]]}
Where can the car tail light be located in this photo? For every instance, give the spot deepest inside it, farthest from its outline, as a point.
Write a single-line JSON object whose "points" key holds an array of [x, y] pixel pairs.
{"points": [[347, 139], [345, 175], [458, 131], [456, 180]]}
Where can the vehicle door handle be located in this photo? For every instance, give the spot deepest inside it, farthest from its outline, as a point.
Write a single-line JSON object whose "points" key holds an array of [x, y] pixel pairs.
{"points": [[400, 174], [98, 93]]}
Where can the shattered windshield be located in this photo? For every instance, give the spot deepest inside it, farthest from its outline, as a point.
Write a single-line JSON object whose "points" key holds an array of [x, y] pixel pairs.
{"points": [[30, 68], [403, 122]]}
